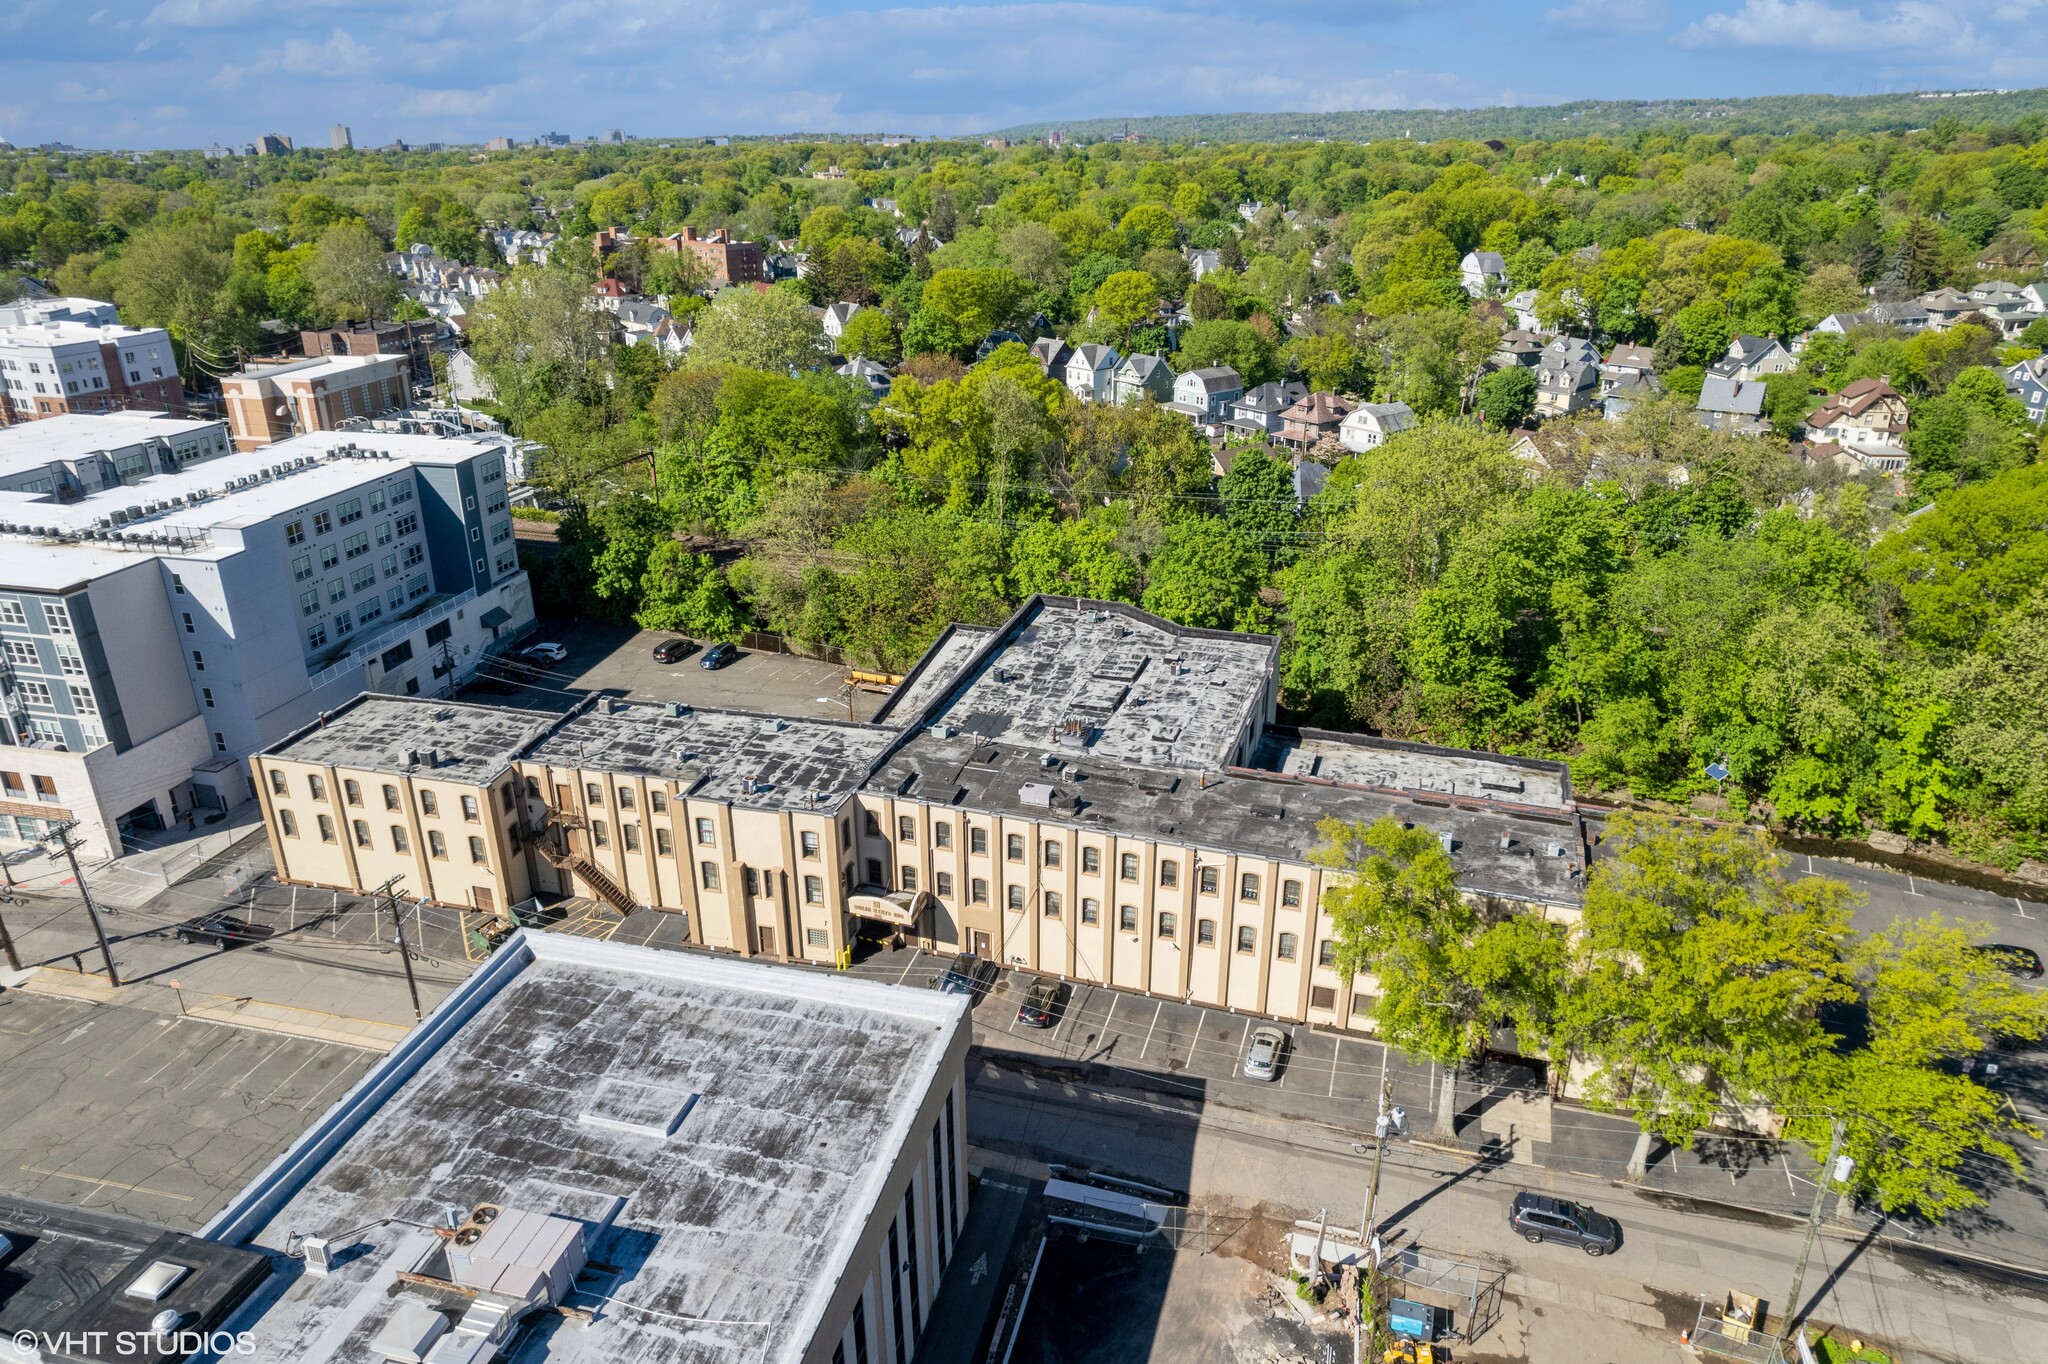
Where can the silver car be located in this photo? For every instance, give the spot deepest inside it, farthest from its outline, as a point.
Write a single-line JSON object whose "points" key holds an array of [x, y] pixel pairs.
{"points": [[1262, 1057]]}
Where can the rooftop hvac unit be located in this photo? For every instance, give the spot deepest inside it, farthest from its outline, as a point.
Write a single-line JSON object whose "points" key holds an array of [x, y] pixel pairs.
{"points": [[1556, 850], [1037, 794], [677, 708], [773, 726], [1449, 841]]}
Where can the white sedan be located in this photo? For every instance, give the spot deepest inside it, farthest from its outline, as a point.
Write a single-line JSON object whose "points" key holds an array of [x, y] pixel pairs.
{"points": [[544, 653]]}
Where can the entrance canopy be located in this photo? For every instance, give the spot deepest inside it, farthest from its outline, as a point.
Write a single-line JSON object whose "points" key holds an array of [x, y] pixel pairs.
{"points": [[899, 907]]}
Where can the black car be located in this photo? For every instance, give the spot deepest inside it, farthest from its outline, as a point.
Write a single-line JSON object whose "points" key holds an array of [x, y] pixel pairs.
{"points": [[1539, 1218], [967, 975], [222, 930], [674, 650], [1041, 1001], [717, 656], [2023, 962]]}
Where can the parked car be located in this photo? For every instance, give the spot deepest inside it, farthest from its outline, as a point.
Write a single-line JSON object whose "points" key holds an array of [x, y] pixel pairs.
{"points": [[1539, 1218], [674, 650], [1262, 1055], [717, 656], [222, 930], [2023, 962], [967, 975], [1040, 1003], [547, 652]]}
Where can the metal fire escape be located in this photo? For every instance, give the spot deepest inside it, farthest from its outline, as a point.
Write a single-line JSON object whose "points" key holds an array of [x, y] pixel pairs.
{"points": [[551, 840]]}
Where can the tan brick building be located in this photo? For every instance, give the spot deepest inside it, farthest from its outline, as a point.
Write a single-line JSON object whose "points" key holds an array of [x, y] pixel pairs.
{"points": [[728, 261], [270, 402], [1088, 791]]}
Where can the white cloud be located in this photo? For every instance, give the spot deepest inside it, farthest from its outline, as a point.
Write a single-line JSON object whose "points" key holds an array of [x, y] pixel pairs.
{"points": [[1906, 28], [1609, 16], [340, 55]]}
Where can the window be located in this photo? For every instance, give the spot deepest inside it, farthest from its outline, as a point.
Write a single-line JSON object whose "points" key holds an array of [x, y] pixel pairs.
{"points": [[908, 876], [1290, 892], [337, 589], [58, 617], [326, 828], [1127, 867], [362, 579], [362, 832], [1168, 925], [942, 834], [1284, 947], [1205, 932], [437, 846], [430, 804], [1051, 908], [349, 511], [1091, 911], [399, 842], [1169, 872], [1322, 997], [390, 796], [356, 546], [278, 786], [329, 556], [1091, 861], [288, 822], [376, 499], [942, 885], [1248, 886], [906, 829], [625, 797], [664, 846], [469, 810], [707, 875], [322, 523], [874, 871], [409, 523], [657, 802], [1207, 880], [401, 493], [1247, 939], [977, 891], [1013, 846], [870, 824], [415, 555], [1127, 918], [808, 842], [24, 652], [36, 693], [706, 837], [1049, 852], [343, 622], [352, 791], [977, 841], [600, 835], [814, 890], [295, 532], [1326, 952], [317, 787], [316, 636]]}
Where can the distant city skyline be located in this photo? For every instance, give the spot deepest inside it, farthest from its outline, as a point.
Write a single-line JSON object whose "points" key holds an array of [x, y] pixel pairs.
{"points": [[188, 73]]}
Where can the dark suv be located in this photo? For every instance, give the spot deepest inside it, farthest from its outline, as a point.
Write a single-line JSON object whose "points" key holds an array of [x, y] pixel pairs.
{"points": [[1539, 1218]]}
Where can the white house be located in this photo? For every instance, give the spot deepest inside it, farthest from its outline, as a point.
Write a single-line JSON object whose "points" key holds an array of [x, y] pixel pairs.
{"points": [[1089, 371], [1369, 424], [1483, 273], [1522, 307], [874, 377], [836, 317]]}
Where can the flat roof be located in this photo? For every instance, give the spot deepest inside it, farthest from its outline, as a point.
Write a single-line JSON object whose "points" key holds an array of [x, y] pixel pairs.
{"points": [[399, 734], [1148, 693], [937, 670], [744, 757], [70, 1275], [314, 367], [73, 435], [1366, 760], [733, 1226]]}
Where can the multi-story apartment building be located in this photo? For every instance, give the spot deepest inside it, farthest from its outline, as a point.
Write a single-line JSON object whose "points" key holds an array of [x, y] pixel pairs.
{"points": [[66, 355], [728, 261], [71, 456], [271, 402], [1087, 791], [155, 631]]}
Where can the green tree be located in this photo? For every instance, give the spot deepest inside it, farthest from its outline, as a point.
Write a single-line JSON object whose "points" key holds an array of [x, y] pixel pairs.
{"points": [[976, 302], [1446, 966], [1205, 574], [1075, 557], [1958, 570], [773, 331], [1258, 501], [1239, 345], [1152, 225], [1507, 397], [683, 592], [1126, 299], [349, 276], [537, 339], [1697, 978], [869, 332]]}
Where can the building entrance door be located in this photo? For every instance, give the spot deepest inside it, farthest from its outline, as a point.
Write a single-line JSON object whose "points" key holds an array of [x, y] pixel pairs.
{"points": [[767, 937]]}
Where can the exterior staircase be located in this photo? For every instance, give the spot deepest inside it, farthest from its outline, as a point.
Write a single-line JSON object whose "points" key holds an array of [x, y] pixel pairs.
{"points": [[581, 867]]}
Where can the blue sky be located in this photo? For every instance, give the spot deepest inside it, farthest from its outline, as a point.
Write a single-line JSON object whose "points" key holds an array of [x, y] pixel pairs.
{"points": [[183, 73]]}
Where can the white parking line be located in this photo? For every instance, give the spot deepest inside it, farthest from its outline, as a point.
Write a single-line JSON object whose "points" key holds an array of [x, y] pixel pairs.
{"points": [[913, 962], [1148, 1031], [1336, 1060]]}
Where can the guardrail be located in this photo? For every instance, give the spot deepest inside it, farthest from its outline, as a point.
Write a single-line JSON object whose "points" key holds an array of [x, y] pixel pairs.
{"points": [[377, 643]]}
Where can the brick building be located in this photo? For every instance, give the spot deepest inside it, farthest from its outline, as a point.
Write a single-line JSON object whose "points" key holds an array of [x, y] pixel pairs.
{"points": [[415, 340], [728, 261], [69, 355], [275, 401]]}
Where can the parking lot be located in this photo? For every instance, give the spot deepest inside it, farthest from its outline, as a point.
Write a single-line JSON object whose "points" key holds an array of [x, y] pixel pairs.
{"points": [[153, 1116], [619, 661]]}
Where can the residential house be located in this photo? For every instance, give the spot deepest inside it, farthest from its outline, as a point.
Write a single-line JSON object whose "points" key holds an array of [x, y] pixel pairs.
{"points": [[1522, 307], [1204, 263], [1313, 420], [1945, 307], [1628, 362], [1867, 418], [2036, 295], [1052, 354], [993, 341], [1733, 405], [2028, 382], [1907, 317], [909, 237], [1483, 273], [1368, 425], [2007, 305], [787, 265], [1258, 411], [1621, 392], [1518, 347], [1752, 357], [875, 377], [1088, 372], [728, 262], [1250, 209], [1309, 478], [1206, 394], [835, 317], [1567, 377], [267, 403], [1142, 376]]}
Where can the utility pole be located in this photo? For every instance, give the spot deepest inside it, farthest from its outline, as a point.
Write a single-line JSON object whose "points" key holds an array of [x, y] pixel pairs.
{"points": [[1820, 1191], [1383, 1128], [62, 833], [7, 942], [404, 954]]}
